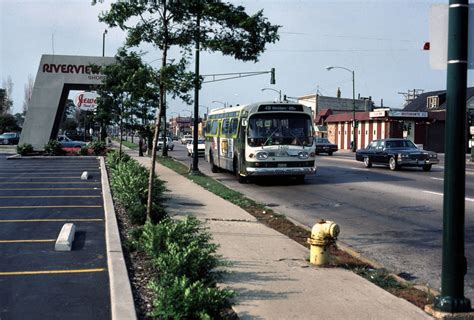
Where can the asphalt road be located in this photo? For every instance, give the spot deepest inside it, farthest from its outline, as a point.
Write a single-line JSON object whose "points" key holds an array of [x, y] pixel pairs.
{"points": [[394, 218], [37, 196]]}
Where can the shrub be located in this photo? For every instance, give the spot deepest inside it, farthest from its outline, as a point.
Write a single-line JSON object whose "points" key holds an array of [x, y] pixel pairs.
{"points": [[98, 147], [84, 151], [113, 158], [24, 149], [181, 247], [53, 148], [182, 298], [129, 184]]}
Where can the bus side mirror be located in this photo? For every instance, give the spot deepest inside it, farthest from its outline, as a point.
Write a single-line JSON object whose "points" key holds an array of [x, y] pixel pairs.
{"points": [[245, 122]]}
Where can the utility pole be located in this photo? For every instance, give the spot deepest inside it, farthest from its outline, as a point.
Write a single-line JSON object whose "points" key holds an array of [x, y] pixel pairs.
{"points": [[194, 167], [454, 264]]}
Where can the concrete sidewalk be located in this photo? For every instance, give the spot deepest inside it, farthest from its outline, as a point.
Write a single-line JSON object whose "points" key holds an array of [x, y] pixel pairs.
{"points": [[269, 271]]}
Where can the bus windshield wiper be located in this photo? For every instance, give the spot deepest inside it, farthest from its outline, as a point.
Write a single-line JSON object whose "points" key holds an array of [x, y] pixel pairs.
{"points": [[269, 137], [298, 141]]}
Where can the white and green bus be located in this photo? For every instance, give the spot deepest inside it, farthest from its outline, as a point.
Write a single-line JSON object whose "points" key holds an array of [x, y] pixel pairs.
{"points": [[261, 139]]}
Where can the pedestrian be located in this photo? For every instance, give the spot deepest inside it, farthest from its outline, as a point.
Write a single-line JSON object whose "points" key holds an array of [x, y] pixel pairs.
{"points": [[140, 146]]}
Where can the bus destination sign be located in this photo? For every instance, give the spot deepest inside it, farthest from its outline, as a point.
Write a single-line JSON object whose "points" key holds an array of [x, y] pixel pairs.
{"points": [[275, 107]]}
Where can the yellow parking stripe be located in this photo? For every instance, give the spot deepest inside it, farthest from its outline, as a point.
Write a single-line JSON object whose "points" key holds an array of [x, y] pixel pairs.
{"points": [[51, 272], [40, 207], [51, 220], [29, 177], [44, 189], [35, 197], [54, 182], [27, 241]]}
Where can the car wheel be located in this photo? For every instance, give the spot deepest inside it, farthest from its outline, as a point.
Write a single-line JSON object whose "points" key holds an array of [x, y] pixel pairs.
{"points": [[367, 162], [330, 153], [392, 163], [427, 167], [214, 168]]}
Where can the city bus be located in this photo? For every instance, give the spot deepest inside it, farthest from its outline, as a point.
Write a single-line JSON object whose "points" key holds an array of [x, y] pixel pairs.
{"points": [[261, 139]]}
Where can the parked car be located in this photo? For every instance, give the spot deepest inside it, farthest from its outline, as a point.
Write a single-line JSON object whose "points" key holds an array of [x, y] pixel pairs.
{"points": [[323, 145], [9, 138], [66, 142], [396, 153], [187, 138], [169, 143], [201, 147]]}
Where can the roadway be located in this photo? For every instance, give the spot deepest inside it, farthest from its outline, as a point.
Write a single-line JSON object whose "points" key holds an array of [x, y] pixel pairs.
{"points": [[393, 218]]}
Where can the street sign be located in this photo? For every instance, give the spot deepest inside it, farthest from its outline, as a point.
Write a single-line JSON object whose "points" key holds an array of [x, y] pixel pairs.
{"points": [[439, 37]]}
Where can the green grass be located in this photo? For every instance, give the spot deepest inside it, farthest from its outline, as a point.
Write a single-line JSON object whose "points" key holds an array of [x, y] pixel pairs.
{"points": [[210, 184], [127, 144]]}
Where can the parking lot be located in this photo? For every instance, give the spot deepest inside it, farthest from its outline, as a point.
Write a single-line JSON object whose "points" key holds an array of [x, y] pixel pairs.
{"points": [[37, 197]]}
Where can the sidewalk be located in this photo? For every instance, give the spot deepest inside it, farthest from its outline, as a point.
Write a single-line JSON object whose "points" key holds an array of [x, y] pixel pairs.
{"points": [[269, 271]]}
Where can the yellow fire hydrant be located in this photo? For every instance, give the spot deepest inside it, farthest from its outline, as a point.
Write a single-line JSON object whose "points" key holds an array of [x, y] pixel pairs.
{"points": [[323, 234]]}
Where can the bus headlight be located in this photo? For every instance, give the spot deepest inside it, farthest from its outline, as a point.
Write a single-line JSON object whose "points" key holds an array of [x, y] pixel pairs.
{"points": [[261, 155], [303, 155]]}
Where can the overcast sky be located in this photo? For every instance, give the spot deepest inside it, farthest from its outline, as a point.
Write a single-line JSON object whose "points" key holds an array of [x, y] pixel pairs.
{"points": [[381, 40]]}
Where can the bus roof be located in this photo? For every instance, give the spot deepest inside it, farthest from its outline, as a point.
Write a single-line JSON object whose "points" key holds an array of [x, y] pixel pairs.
{"points": [[253, 107]]}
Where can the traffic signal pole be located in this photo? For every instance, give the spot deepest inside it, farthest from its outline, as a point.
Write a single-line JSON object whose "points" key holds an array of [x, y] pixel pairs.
{"points": [[454, 265]]}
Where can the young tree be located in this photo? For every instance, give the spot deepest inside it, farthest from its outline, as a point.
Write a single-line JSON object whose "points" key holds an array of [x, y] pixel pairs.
{"points": [[215, 25], [28, 92], [6, 102]]}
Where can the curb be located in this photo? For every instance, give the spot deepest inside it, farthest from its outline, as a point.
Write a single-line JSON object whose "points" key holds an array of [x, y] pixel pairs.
{"points": [[121, 297]]}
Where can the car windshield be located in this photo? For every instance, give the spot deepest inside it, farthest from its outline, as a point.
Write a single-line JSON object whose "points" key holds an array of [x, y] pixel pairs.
{"points": [[280, 129], [8, 135], [399, 144]]}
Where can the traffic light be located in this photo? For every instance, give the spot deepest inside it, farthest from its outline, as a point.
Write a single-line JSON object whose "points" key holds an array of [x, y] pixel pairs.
{"points": [[272, 76]]}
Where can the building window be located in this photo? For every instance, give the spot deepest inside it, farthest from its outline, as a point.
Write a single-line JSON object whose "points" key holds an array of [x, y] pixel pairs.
{"points": [[432, 102]]}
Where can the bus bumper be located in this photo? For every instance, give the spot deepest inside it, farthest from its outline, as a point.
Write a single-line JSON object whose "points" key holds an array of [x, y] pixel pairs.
{"points": [[281, 171]]}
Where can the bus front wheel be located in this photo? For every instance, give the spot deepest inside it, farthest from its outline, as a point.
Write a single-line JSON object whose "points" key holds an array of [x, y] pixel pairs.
{"points": [[214, 168], [236, 168]]}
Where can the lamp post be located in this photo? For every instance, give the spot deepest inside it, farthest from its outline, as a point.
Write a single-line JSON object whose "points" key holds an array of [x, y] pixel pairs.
{"points": [[103, 42], [354, 122], [277, 91], [223, 103]]}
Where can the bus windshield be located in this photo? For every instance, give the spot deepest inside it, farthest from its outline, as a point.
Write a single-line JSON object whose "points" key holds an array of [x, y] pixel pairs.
{"points": [[266, 129]]}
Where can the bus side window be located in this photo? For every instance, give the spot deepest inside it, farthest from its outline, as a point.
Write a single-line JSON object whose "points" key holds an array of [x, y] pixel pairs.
{"points": [[234, 122], [208, 126], [225, 126], [214, 126]]}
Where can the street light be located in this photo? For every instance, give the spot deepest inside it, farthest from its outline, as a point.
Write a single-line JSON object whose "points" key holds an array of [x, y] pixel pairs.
{"points": [[223, 103], [277, 91], [103, 42], [354, 122]]}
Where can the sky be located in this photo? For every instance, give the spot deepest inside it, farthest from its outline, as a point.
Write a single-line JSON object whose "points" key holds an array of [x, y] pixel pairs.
{"points": [[381, 40]]}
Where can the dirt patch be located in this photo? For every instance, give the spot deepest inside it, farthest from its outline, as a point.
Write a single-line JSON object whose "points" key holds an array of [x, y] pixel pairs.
{"points": [[138, 267]]}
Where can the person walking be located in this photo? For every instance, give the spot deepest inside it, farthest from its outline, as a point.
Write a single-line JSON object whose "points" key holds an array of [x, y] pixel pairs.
{"points": [[140, 146]]}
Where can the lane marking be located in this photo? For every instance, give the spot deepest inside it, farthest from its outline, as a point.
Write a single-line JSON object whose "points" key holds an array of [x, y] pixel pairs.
{"points": [[435, 178], [35, 197], [27, 241], [41, 207], [441, 194], [51, 272], [53, 182], [51, 220]]}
